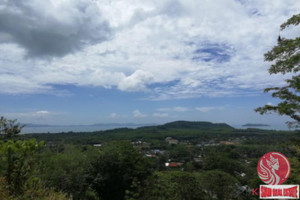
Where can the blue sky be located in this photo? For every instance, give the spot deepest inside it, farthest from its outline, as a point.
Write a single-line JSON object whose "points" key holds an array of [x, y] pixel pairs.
{"points": [[84, 62]]}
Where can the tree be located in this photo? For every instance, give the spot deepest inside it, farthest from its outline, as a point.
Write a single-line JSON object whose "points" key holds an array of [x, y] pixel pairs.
{"points": [[19, 158], [286, 58], [9, 128], [118, 172], [66, 171], [222, 162], [219, 184]]}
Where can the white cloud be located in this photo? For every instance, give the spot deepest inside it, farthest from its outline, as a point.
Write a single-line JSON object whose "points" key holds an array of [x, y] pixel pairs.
{"points": [[170, 49], [42, 112], [208, 108], [138, 114], [30, 114], [136, 81], [180, 109], [160, 114], [38, 116], [113, 115]]}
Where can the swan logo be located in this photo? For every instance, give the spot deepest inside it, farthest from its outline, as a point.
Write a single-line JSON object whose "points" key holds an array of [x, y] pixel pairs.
{"points": [[273, 168]]}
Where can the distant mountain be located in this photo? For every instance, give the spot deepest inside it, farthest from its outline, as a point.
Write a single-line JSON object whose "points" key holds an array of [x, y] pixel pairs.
{"points": [[196, 125], [255, 125]]}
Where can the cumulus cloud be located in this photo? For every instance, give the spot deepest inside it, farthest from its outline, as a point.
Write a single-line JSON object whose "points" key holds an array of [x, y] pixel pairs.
{"points": [[168, 49], [52, 28], [138, 114], [136, 81]]}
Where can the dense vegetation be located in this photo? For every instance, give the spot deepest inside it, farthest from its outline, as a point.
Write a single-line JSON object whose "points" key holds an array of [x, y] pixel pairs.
{"points": [[178, 160]]}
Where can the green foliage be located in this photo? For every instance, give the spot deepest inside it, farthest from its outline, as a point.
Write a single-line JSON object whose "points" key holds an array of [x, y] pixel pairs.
{"points": [[182, 152], [295, 171], [219, 184], [9, 128], [19, 157], [286, 58], [173, 185], [119, 168], [294, 20], [67, 171], [222, 162], [35, 190], [177, 185]]}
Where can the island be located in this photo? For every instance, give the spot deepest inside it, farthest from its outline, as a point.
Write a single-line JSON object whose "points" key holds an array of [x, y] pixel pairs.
{"points": [[255, 125]]}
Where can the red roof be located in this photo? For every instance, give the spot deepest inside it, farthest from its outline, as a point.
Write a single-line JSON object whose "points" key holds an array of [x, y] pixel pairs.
{"points": [[173, 164]]}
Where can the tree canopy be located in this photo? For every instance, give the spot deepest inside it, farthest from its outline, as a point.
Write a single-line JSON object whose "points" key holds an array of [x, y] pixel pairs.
{"points": [[285, 57]]}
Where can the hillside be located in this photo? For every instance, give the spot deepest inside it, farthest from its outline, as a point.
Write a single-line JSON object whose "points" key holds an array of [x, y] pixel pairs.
{"points": [[196, 125]]}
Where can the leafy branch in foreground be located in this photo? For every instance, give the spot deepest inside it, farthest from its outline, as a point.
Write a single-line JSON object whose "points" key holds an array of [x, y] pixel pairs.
{"points": [[286, 58], [9, 128]]}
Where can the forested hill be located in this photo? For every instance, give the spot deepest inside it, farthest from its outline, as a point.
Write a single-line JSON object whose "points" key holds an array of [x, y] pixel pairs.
{"points": [[196, 125]]}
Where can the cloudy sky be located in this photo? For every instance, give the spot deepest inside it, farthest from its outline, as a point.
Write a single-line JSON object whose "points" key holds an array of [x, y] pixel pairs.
{"points": [[102, 61]]}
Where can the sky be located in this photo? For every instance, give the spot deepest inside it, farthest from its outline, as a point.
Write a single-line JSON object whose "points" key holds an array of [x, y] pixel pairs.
{"points": [[133, 61]]}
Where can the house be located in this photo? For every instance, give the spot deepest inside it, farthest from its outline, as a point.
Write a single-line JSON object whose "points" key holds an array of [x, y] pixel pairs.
{"points": [[242, 191], [198, 158], [51, 144], [227, 142], [171, 140], [185, 142], [213, 144], [150, 155], [97, 145], [173, 164], [199, 145], [158, 151], [141, 144]]}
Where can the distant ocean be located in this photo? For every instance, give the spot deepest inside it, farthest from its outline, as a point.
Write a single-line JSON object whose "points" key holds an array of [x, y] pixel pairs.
{"points": [[59, 129], [91, 128], [271, 127]]}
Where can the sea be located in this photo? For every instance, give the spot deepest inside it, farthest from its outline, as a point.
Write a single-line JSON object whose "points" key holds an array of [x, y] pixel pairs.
{"points": [[73, 128]]}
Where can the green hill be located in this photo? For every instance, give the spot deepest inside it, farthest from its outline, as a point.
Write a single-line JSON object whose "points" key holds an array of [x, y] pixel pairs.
{"points": [[195, 125]]}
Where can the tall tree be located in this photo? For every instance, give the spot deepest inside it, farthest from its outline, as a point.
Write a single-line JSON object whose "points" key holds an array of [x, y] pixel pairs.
{"points": [[286, 59]]}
